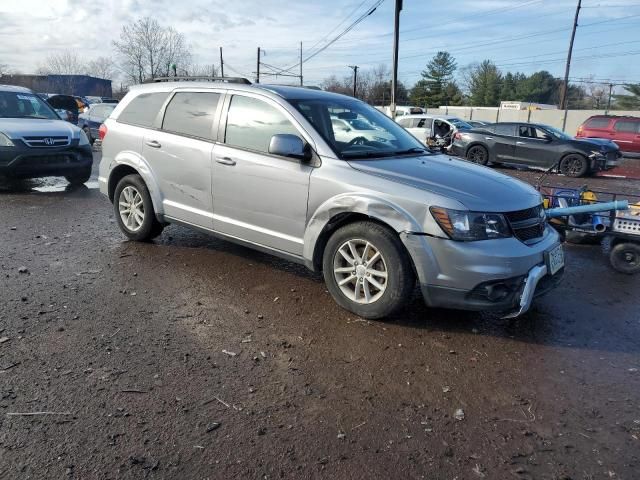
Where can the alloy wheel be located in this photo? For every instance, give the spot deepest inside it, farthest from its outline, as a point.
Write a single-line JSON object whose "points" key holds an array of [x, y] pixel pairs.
{"points": [[360, 271], [131, 208], [477, 155]]}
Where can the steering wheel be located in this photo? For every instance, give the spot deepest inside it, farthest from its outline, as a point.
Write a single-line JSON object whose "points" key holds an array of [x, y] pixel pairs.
{"points": [[358, 141]]}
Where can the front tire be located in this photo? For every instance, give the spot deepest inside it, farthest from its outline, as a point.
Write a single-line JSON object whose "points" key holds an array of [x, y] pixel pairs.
{"points": [[478, 154], [79, 177], [574, 165], [134, 210], [367, 270]]}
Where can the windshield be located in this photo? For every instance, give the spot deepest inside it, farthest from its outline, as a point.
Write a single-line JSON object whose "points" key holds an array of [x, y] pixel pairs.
{"points": [[24, 105], [355, 130], [557, 133]]}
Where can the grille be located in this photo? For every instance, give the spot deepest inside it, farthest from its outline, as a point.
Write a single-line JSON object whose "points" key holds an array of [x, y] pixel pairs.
{"points": [[612, 156], [524, 215], [43, 141], [527, 225]]}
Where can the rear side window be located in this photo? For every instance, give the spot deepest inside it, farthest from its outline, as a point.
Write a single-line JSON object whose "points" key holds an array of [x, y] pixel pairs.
{"points": [[191, 113], [627, 126], [251, 123], [500, 129], [143, 109], [597, 123]]}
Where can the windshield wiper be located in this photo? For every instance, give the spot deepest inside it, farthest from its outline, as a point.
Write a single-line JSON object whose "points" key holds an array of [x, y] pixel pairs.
{"points": [[411, 150], [356, 155]]}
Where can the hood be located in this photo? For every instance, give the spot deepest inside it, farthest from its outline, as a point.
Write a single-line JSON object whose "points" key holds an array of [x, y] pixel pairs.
{"points": [[596, 143], [478, 188], [16, 128]]}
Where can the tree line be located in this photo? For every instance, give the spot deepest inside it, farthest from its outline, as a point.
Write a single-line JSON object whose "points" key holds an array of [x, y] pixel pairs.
{"points": [[481, 84]]}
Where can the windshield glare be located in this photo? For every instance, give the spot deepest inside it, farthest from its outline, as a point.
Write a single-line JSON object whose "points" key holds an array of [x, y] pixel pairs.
{"points": [[24, 105], [372, 133], [460, 123]]}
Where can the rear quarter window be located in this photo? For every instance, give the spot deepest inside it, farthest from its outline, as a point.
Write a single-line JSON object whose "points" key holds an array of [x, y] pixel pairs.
{"points": [[597, 123], [143, 109], [191, 113]]}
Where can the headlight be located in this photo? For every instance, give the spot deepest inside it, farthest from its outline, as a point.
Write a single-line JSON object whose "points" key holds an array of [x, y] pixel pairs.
{"points": [[83, 138], [471, 226], [597, 153], [5, 141]]}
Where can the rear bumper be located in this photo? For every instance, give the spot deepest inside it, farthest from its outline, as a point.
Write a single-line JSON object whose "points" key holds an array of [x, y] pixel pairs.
{"points": [[25, 162]]}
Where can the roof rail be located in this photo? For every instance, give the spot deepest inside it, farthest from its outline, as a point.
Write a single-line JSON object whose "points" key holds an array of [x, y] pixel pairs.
{"points": [[203, 78]]}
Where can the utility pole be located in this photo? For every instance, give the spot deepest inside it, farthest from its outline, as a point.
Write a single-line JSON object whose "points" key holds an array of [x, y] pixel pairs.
{"points": [[609, 101], [301, 83], [355, 78], [565, 87], [221, 64], [396, 39], [258, 67]]}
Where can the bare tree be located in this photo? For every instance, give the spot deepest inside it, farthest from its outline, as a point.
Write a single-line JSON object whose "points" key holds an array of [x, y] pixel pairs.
{"points": [[63, 63], [101, 67], [4, 69], [147, 49]]}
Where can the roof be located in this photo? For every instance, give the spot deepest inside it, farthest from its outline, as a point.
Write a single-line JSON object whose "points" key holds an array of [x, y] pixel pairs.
{"points": [[431, 115], [14, 88], [283, 91]]}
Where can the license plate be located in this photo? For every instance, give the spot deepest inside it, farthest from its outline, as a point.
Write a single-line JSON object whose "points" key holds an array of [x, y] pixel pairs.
{"points": [[555, 259]]}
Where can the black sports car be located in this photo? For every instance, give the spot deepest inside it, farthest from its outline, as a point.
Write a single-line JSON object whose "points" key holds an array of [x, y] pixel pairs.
{"points": [[537, 146]]}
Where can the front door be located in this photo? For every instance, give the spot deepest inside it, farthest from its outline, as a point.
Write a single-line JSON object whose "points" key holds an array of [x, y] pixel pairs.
{"points": [[259, 197], [421, 128], [180, 155], [535, 147]]}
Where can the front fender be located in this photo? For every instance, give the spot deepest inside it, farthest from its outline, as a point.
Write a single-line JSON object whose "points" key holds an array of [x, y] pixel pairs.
{"points": [[366, 204], [138, 163]]}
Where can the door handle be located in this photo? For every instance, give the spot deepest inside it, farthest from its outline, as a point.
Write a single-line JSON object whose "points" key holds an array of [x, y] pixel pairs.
{"points": [[521, 143], [226, 161], [488, 138], [153, 144]]}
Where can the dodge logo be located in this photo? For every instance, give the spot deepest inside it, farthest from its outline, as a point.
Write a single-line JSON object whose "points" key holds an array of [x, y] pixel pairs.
{"points": [[49, 141]]}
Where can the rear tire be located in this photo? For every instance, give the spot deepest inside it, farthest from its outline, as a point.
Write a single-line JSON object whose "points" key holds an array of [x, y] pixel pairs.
{"points": [[574, 165], [625, 258], [478, 154], [134, 209], [367, 270], [79, 177]]}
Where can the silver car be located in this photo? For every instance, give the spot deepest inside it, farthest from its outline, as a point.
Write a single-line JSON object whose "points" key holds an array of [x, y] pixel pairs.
{"points": [[260, 165]]}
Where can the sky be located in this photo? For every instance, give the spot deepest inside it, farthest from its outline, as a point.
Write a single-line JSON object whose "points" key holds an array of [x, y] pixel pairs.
{"points": [[518, 35]]}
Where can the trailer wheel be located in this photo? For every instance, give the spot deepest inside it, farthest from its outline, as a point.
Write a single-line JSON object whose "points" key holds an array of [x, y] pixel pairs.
{"points": [[625, 258]]}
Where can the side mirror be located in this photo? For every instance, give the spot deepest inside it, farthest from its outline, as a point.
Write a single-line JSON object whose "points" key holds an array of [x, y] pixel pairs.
{"points": [[287, 145]]}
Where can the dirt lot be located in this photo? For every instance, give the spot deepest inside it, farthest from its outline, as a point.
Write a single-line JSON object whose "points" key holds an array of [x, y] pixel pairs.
{"points": [[190, 358]]}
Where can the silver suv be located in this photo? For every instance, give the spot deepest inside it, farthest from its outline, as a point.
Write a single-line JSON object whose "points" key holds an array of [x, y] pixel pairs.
{"points": [[261, 165]]}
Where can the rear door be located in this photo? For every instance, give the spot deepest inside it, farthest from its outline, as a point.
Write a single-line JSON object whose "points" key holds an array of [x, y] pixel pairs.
{"points": [[180, 154], [421, 128], [259, 197], [627, 134], [501, 140], [533, 148]]}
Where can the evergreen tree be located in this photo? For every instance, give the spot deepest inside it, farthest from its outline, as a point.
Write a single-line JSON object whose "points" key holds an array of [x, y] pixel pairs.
{"points": [[629, 101], [437, 81], [485, 84]]}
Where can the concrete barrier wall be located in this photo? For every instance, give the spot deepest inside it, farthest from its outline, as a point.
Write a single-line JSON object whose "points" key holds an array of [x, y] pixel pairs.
{"points": [[555, 118]]}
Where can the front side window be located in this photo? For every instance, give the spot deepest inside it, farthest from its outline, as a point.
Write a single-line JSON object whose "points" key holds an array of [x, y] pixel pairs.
{"points": [[143, 109], [531, 132], [251, 123], [385, 138], [191, 113], [24, 105]]}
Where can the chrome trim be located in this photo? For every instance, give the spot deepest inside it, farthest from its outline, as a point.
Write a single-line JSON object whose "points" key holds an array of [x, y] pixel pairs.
{"points": [[47, 141], [530, 283]]}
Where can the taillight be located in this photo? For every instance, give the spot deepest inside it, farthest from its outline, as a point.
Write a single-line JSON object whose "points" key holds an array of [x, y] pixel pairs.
{"points": [[580, 131], [102, 131], [457, 136]]}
